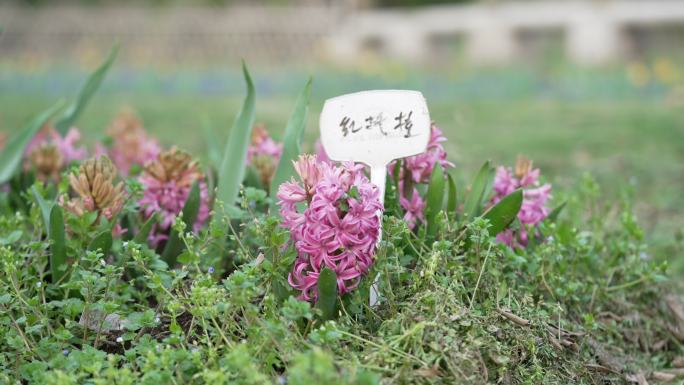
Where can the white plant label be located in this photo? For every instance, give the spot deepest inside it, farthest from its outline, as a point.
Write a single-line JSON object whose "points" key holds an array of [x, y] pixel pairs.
{"points": [[375, 128]]}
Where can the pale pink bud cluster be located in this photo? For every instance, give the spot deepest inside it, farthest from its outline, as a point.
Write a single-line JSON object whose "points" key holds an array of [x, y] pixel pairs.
{"points": [[535, 197], [264, 154], [417, 170], [67, 145], [333, 214], [131, 144]]}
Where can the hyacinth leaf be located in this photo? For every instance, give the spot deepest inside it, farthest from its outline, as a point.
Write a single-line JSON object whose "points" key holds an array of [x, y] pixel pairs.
{"points": [[174, 246], [213, 146], [397, 193], [474, 199], [452, 197], [102, 241], [327, 293], [252, 178], [72, 113], [435, 200], [502, 214], [44, 207], [232, 170], [553, 215], [292, 139], [141, 236], [57, 244], [10, 156]]}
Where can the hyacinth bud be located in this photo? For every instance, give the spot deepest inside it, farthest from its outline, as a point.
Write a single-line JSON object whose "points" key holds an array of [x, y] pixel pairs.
{"points": [[259, 134], [523, 166], [174, 165], [47, 161], [264, 154], [168, 180], [308, 170], [265, 167], [95, 188], [131, 143]]}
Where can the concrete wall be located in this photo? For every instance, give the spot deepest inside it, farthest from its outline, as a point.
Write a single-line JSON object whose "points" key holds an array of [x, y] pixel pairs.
{"points": [[592, 32]]}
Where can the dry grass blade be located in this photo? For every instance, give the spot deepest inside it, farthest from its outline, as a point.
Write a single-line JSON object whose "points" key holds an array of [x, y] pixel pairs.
{"points": [[600, 368], [514, 318], [605, 358]]}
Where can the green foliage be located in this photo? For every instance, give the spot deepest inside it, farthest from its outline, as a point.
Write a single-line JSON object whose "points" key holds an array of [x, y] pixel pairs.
{"points": [[58, 259], [327, 293], [478, 190], [232, 170], [45, 207], [74, 110], [435, 200], [10, 156], [504, 213], [452, 197], [292, 139], [102, 242], [144, 231], [447, 312]]}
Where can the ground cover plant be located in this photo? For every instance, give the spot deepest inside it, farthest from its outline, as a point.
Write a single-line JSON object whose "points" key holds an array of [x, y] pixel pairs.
{"points": [[133, 262]]}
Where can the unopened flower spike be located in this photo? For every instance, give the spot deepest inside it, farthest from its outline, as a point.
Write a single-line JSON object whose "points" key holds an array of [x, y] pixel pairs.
{"points": [[95, 189], [264, 154]]}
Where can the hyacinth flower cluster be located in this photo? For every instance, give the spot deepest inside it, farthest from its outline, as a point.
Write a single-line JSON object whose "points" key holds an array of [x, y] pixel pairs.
{"points": [[130, 143], [167, 181], [416, 170], [95, 190], [535, 198], [264, 154], [49, 153], [332, 214]]}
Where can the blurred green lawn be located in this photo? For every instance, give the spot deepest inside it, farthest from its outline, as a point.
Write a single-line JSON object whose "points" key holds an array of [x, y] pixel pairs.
{"points": [[626, 143]]}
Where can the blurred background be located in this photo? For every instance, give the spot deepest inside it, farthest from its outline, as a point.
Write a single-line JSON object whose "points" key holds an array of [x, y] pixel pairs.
{"points": [[578, 86]]}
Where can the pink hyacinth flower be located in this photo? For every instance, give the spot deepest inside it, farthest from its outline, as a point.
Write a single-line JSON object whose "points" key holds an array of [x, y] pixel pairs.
{"points": [[338, 228], [414, 208], [418, 170], [167, 182], [67, 145], [533, 209]]}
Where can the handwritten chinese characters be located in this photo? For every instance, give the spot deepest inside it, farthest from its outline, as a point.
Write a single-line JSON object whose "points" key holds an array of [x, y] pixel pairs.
{"points": [[403, 124]]}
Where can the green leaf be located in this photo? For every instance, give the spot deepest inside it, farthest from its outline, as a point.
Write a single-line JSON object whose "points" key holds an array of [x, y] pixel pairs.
{"points": [[553, 215], [292, 139], [232, 169], [174, 246], [102, 242], [327, 293], [58, 244], [452, 197], [10, 156], [252, 178], [435, 200], [92, 84], [213, 146], [141, 236], [503, 213], [44, 206], [474, 199]]}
